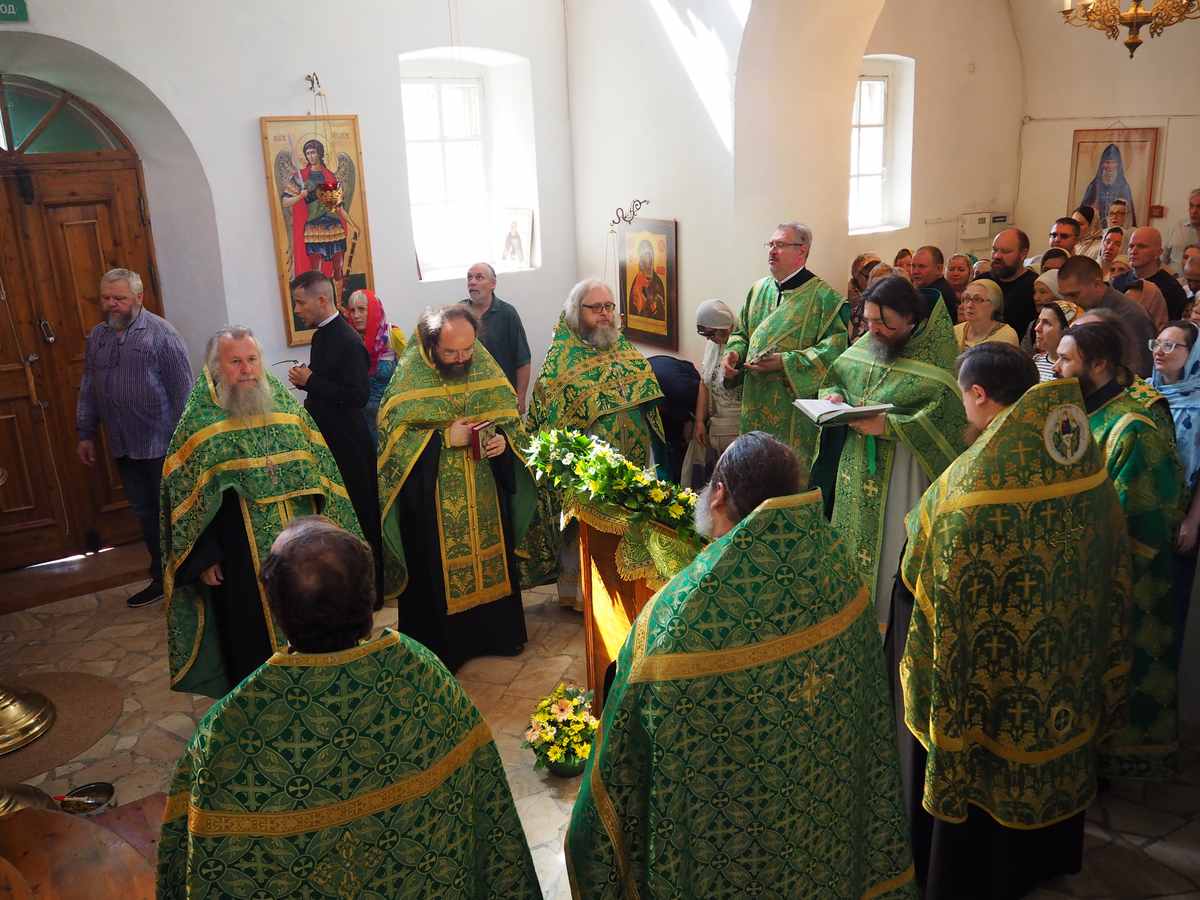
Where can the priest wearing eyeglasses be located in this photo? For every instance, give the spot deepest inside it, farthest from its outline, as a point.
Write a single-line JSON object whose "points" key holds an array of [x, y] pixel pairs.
{"points": [[593, 380], [790, 330]]}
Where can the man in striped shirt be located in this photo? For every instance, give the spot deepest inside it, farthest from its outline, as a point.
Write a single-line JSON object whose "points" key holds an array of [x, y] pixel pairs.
{"points": [[136, 380]]}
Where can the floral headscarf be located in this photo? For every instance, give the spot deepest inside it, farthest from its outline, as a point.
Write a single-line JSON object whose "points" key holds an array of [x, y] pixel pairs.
{"points": [[1184, 397]]}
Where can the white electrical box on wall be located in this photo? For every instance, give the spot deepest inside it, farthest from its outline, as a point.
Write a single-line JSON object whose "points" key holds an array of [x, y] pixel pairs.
{"points": [[974, 226]]}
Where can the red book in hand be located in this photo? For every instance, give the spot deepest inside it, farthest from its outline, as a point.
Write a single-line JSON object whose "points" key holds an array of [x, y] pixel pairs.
{"points": [[481, 435]]}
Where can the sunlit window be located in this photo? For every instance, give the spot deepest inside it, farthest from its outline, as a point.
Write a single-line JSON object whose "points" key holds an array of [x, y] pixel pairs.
{"points": [[447, 171], [868, 140]]}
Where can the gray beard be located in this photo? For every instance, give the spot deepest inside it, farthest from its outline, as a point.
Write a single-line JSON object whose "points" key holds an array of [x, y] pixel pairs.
{"points": [[119, 322], [602, 337], [241, 401], [702, 517], [884, 352]]}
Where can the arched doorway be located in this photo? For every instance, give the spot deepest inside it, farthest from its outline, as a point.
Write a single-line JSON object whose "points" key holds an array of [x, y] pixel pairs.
{"points": [[72, 206]]}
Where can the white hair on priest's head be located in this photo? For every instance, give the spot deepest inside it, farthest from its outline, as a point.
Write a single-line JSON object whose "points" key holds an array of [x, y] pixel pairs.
{"points": [[130, 277], [239, 396], [212, 350], [575, 298], [799, 230]]}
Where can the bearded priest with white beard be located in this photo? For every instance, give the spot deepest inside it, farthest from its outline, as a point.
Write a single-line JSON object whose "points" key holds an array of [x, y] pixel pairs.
{"points": [[244, 461]]}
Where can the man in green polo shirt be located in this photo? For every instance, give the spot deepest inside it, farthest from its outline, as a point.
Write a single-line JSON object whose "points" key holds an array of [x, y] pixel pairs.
{"points": [[501, 332]]}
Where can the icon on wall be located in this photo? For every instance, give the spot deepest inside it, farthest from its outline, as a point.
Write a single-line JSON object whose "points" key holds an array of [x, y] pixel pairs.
{"points": [[648, 270], [1110, 164]]}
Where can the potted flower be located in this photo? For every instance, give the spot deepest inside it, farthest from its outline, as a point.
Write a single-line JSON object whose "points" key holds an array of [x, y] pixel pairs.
{"points": [[561, 730]]}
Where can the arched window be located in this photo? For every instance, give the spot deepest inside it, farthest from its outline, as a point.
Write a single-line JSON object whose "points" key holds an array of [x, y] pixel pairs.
{"points": [[38, 118]]}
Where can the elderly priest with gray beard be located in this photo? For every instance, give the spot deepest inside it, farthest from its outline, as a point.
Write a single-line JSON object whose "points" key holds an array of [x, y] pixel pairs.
{"points": [[245, 460]]}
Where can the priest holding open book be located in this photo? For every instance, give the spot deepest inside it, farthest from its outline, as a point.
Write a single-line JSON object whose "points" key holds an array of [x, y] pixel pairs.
{"points": [[906, 360]]}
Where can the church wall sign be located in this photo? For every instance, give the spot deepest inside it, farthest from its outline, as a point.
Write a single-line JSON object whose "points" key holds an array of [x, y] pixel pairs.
{"points": [[1113, 163], [649, 298], [318, 203]]}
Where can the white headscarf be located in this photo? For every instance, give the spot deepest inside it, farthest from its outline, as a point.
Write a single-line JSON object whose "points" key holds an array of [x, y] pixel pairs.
{"points": [[713, 314]]}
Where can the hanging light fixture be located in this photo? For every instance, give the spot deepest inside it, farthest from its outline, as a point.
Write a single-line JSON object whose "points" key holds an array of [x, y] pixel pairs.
{"points": [[1107, 16]]}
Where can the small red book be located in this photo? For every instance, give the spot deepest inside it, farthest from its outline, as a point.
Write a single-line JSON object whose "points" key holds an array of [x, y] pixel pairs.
{"points": [[481, 435]]}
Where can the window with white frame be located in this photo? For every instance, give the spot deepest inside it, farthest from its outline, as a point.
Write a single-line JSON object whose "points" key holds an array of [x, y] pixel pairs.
{"points": [[868, 140], [881, 130], [444, 134]]}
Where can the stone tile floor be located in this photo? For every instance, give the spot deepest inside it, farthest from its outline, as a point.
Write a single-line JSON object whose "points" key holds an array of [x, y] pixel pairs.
{"points": [[1143, 841]]}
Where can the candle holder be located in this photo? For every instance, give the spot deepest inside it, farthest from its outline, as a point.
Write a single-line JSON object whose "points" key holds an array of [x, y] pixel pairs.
{"points": [[1107, 16]]}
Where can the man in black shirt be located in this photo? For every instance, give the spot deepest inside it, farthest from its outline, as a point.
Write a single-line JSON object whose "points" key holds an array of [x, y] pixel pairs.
{"points": [[336, 383], [928, 271], [501, 330], [1145, 255], [1009, 250]]}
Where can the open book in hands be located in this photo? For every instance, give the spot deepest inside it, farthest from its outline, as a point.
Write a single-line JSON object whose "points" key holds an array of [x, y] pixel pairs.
{"points": [[825, 413]]}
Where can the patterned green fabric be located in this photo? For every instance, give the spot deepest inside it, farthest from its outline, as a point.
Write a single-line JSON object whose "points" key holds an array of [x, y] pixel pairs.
{"points": [[417, 403], [361, 774], [1144, 466], [1015, 667], [928, 419], [1151, 401], [747, 746], [280, 467], [809, 328], [610, 394]]}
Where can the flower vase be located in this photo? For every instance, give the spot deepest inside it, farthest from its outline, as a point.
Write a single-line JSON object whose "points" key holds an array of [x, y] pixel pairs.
{"points": [[566, 769]]}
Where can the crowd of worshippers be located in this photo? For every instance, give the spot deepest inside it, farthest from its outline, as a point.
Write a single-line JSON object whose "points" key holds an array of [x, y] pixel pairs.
{"points": [[1020, 528]]}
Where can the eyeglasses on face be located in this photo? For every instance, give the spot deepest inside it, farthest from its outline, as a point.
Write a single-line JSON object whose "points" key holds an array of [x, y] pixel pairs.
{"points": [[1165, 346], [968, 299], [600, 307], [779, 245]]}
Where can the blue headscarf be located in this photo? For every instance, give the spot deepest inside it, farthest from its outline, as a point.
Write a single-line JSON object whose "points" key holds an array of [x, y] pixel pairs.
{"points": [[1184, 397]]}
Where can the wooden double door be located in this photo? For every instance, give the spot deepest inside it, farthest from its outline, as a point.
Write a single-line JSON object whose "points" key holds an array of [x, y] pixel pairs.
{"points": [[62, 225]]}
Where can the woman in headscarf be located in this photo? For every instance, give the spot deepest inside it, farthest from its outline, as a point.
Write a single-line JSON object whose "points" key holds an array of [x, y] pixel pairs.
{"points": [[1109, 185], [1053, 319], [860, 272], [1045, 292], [1176, 375], [718, 408], [1089, 231], [384, 343], [983, 320]]}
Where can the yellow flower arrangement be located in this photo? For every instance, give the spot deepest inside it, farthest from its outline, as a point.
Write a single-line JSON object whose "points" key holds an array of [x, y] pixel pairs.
{"points": [[561, 729]]}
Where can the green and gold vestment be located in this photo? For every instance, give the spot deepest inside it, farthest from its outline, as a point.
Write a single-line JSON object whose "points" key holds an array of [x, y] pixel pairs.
{"points": [[419, 402], [747, 746], [609, 394], [809, 328], [1015, 667], [365, 773], [1144, 467], [280, 468], [928, 419]]}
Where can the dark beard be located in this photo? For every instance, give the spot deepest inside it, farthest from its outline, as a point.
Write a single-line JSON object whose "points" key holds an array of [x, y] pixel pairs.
{"points": [[1001, 272], [886, 352], [452, 371]]}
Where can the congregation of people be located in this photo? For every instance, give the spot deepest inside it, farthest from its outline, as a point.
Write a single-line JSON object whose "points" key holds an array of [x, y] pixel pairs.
{"points": [[914, 649]]}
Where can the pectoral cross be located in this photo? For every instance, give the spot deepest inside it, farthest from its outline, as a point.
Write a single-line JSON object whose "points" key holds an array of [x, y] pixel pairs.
{"points": [[272, 469]]}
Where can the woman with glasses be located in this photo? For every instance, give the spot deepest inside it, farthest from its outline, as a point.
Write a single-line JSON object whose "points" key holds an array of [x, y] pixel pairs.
{"points": [[1053, 319], [718, 408], [983, 304], [1176, 354]]}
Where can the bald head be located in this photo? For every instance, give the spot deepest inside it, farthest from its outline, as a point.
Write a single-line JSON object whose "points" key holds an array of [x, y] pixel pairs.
{"points": [[1145, 250]]}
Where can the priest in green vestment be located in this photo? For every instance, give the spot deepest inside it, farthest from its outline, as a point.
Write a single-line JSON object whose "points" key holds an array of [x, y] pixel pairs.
{"points": [[1144, 466], [595, 381], [746, 747], [888, 461], [1014, 663], [350, 764], [789, 331], [453, 512], [244, 460]]}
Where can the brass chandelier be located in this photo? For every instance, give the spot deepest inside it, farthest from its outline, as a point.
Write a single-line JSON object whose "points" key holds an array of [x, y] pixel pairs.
{"points": [[1106, 16]]}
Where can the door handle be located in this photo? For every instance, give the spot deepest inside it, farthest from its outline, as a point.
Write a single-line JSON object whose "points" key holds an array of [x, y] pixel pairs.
{"points": [[47, 332]]}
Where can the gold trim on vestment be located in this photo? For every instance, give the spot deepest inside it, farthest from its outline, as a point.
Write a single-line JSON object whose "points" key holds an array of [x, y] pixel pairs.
{"points": [[177, 806], [191, 660], [249, 462], [916, 367], [1019, 826], [791, 501], [612, 825], [1024, 495], [444, 390], [480, 554], [1115, 434], [395, 491], [213, 823], [262, 590], [572, 413], [675, 666], [296, 659], [180, 456], [890, 885]]}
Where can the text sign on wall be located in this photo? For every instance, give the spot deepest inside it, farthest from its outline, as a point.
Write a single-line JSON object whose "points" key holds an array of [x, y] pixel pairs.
{"points": [[14, 11]]}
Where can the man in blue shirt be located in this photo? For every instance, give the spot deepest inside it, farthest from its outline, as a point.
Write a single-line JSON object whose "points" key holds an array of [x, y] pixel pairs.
{"points": [[136, 380]]}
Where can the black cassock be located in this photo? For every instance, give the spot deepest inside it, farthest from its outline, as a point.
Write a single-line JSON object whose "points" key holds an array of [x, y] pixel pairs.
{"points": [[978, 859], [236, 604], [491, 629], [337, 392]]}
